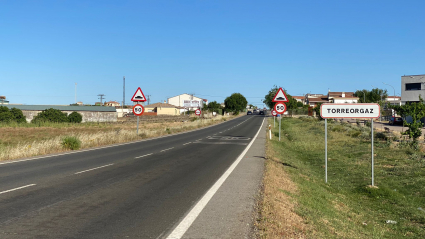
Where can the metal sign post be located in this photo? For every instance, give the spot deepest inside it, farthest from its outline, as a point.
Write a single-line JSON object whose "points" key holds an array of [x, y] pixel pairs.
{"points": [[332, 111], [373, 181], [137, 125], [280, 119], [326, 150], [138, 110]]}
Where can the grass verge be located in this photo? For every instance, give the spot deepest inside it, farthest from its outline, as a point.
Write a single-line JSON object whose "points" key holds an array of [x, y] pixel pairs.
{"points": [[347, 206]]}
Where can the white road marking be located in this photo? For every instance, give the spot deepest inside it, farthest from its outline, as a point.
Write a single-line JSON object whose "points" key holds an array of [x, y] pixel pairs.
{"points": [[143, 156], [187, 143], [181, 229], [166, 149], [94, 168], [10, 190]]}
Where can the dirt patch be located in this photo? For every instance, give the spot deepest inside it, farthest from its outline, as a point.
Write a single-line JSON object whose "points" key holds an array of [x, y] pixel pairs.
{"points": [[277, 217]]}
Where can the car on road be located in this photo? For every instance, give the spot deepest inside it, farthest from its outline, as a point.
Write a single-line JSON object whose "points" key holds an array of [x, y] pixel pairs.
{"points": [[249, 112], [261, 112], [396, 121]]}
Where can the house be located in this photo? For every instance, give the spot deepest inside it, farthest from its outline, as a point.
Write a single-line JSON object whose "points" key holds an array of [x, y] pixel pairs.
{"points": [[164, 109], [313, 99], [342, 97], [3, 100], [331, 97], [299, 99], [393, 100], [111, 103], [187, 101], [412, 86]]}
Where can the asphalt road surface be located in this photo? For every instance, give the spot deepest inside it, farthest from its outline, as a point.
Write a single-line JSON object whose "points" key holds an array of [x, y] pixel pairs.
{"points": [[135, 190]]}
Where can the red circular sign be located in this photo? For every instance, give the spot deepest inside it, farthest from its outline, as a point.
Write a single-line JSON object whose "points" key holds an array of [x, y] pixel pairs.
{"points": [[280, 108], [198, 112], [138, 110], [274, 113]]}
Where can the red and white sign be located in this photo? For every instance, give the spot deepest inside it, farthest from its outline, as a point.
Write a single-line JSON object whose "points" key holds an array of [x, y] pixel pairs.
{"points": [[274, 113], [371, 111], [198, 112], [138, 110], [280, 108], [139, 96], [280, 96]]}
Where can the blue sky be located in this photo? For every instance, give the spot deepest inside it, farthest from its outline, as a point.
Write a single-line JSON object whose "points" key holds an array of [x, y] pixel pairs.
{"points": [[209, 48]]}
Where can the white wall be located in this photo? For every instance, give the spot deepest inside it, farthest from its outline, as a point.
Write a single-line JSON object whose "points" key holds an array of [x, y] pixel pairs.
{"points": [[179, 100], [342, 101]]}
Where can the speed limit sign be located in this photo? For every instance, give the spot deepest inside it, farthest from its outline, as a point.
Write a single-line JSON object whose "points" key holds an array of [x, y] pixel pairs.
{"points": [[274, 113], [280, 108], [138, 110]]}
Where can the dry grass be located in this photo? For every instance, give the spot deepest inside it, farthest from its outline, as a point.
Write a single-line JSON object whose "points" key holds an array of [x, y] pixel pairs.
{"points": [[278, 218], [20, 142]]}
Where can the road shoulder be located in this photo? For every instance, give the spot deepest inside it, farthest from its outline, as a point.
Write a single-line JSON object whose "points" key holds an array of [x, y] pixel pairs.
{"points": [[231, 211]]}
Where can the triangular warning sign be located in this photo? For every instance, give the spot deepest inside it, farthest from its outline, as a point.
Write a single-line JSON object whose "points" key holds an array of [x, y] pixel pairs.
{"points": [[139, 96], [280, 96]]}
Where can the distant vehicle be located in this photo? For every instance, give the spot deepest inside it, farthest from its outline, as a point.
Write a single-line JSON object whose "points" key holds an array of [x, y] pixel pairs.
{"points": [[249, 112], [129, 114], [255, 110], [396, 121], [261, 112]]}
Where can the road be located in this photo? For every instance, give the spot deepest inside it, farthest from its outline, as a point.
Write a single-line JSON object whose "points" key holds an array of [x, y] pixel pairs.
{"points": [[135, 190]]}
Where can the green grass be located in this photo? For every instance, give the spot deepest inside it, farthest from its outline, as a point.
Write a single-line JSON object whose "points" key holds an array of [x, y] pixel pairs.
{"points": [[346, 207]]}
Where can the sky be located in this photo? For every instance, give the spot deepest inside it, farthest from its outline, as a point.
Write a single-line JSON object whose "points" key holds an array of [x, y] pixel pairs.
{"points": [[209, 48]]}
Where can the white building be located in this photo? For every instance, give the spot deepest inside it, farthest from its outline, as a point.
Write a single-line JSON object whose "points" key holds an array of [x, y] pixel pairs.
{"points": [[187, 101]]}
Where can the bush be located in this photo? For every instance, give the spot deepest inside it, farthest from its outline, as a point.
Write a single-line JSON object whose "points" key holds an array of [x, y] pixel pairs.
{"points": [[18, 115], [75, 117], [71, 142], [51, 115], [13, 114], [6, 116]]}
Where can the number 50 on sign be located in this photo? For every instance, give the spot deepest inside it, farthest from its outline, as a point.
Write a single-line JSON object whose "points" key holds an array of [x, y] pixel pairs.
{"points": [[280, 108], [138, 110]]}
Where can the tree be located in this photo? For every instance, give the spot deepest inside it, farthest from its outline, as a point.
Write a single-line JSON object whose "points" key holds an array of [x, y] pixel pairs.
{"points": [[317, 110], [213, 105], [373, 96], [75, 117], [50, 115], [235, 102], [268, 99], [417, 111]]}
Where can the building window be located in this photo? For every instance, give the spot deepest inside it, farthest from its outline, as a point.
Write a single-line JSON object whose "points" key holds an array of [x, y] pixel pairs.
{"points": [[413, 86]]}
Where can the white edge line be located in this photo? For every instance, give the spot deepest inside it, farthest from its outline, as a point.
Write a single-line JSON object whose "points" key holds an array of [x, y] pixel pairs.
{"points": [[113, 145], [181, 229], [143, 156], [166, 149], [94, 168], [187, 143], [10, 190]]}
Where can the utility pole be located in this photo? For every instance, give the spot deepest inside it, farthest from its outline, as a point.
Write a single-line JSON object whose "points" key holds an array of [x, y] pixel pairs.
{"points": [[149, 99], [75, 93], [101, 96], [123, 91]]}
